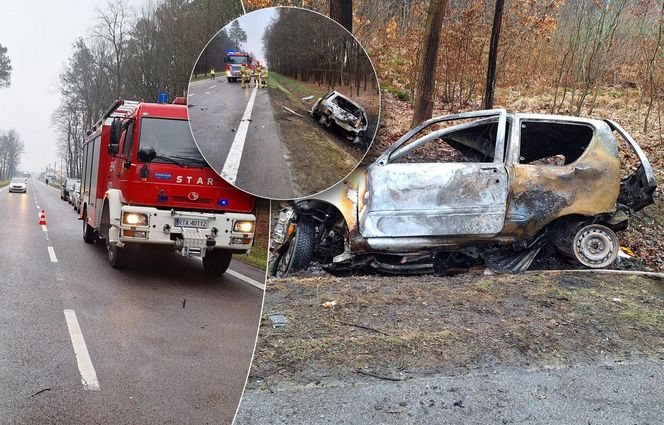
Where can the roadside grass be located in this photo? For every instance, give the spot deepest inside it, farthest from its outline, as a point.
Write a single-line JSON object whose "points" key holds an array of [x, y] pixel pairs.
{"points": [[4, 183], [207, 77], [257, 256], [294, 89], [433, 324]]}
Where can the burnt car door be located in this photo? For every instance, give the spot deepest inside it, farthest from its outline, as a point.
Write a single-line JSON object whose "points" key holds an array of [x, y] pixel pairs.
{"points": [[636, 191], [445, 177]]}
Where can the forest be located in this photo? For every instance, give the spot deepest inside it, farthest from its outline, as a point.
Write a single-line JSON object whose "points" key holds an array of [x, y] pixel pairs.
{"points": [[569, 49], [131, 53], [313, 49]]}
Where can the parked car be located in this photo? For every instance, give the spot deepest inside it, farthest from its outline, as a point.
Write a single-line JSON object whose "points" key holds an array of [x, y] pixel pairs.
{"points": [[18, 184], [67, 185], [345, 114], [75, 196], [481, 186]]}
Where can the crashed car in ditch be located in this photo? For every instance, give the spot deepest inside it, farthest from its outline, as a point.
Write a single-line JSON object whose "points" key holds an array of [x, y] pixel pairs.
{"points": [[336, 109], [481, 187]]}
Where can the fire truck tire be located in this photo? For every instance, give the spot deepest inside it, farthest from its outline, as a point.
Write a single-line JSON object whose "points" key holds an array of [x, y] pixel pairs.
{"points": [[216, 262], [115, 255], [88, 231]]}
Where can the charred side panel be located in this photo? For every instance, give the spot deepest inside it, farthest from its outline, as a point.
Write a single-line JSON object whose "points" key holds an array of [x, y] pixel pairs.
{"points": [[542, 193]]}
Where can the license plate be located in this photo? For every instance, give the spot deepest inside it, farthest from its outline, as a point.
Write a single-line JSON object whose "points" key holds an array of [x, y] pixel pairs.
{"points": [[191, 222]]}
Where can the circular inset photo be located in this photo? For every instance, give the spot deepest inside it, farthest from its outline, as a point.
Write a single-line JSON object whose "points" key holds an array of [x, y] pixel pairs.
{"points": [[283, 102]]}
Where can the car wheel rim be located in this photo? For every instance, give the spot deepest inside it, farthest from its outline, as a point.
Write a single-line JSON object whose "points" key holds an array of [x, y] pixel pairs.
{"points": [[596, 246]]}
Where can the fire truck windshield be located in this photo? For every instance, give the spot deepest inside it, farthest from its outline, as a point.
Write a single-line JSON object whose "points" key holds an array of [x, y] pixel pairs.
{"points": [[172, 141], [236, 60]]}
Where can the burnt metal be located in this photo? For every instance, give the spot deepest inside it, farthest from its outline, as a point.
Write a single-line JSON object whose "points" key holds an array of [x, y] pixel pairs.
{"points": [[336, 109], [531, 183]]}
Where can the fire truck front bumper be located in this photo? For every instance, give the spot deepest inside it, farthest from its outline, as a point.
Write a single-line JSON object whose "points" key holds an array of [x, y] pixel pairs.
{"points": [[190, 233]]}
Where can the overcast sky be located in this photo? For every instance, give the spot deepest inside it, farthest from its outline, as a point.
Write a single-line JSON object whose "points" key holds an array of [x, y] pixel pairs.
{"points": [[39, 35], [254, 25]]}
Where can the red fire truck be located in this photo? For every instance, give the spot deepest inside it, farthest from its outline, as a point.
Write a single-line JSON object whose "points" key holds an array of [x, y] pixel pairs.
{"points": [[145, 182], [234, 61]]}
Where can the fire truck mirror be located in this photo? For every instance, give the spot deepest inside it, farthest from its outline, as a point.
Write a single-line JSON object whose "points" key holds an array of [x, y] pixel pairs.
{"points": [[116, 131], [146, 154], [113, 149]]}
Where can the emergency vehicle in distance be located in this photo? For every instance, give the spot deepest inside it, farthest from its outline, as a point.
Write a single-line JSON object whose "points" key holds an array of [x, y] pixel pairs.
{"points": [[145, 182], [234, 61]]}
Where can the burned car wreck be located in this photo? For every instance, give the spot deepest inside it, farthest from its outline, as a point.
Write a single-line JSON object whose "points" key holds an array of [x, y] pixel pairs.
{"points": [[346, 115], [481, 187]]}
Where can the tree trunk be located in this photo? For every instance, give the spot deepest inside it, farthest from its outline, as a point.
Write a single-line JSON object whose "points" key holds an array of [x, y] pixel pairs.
{"points": [[428, 60], [342, 12], [487, 101]]}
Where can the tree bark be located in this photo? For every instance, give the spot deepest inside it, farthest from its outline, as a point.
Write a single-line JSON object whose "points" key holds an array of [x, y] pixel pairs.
{"points": [[428, 60], [487, 101], [342, 12]]}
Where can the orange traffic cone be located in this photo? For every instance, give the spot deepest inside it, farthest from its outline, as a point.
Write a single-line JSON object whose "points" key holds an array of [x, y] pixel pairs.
{"points": [[42, 218]]}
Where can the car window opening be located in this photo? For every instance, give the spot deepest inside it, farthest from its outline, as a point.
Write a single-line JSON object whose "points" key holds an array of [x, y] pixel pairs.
{"points": [[553, 143]]}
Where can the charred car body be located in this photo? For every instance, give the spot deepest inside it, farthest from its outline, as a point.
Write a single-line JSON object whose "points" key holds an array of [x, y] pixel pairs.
{"points": [[336, 109], [480, 186]]}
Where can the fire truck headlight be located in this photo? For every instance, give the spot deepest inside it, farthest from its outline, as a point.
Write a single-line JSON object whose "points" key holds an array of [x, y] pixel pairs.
{"points": [[135, 219], [243, 226]]}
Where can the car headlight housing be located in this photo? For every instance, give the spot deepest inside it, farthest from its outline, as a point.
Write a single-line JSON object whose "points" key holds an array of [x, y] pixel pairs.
{"points": [[243, 226], [135, 219]]}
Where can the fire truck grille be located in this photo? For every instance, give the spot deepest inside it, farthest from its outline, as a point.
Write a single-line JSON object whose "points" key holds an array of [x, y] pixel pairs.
{"points": [[197, 201]]}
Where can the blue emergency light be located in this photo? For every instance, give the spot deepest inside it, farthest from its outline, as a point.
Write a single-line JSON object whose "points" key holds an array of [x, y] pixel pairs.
{"points": [[230, 52], [223, 202], [162, 98]]}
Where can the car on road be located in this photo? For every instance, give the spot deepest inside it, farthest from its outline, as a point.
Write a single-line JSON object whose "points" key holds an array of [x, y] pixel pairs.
{"points": [[66, 187], [75, 195], [345, 114], [483, 186], [18, 184]]}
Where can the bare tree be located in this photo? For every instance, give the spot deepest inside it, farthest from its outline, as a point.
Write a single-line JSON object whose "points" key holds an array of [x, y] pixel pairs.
{"points": [[342, 12], [428, 60], [113, 28], [487, 102], [11, 149]]}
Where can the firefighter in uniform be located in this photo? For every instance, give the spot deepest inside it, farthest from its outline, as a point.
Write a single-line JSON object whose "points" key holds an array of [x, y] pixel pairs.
{"points": [[264, 77], [246, 75], [212, 73], [257, 74]]}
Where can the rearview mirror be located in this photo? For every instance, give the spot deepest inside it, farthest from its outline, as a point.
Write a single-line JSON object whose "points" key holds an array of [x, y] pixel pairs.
{"points": [[146, 154], [116, 131]]}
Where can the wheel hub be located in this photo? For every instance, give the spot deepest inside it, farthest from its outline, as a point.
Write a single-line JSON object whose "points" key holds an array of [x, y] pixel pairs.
{"points": [[596, 246]]}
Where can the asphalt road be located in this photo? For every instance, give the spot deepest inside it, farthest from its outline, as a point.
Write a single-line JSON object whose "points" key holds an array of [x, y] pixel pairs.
{"points": [[236, 132], [598, 394], [157, 358]]}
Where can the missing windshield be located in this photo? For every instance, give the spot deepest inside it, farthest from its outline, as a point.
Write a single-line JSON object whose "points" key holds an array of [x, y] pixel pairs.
{"points": [[172, 141]]}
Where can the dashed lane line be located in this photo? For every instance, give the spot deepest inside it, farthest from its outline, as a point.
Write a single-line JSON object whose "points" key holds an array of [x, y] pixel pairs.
{"points": [[51, 254], [247, 279], [88, 374], [232, 164]]}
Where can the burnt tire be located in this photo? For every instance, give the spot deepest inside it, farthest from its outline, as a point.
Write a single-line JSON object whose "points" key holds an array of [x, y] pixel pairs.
{"points": [[596, 246], [297, 254], [216, 262], [88, 231]]}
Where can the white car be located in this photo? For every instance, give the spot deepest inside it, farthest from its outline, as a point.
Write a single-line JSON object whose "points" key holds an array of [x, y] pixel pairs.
{"points": [[18, 184]]}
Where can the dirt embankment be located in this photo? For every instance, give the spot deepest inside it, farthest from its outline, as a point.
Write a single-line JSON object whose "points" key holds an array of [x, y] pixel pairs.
{"points": [[397, 327], [318, 157]]}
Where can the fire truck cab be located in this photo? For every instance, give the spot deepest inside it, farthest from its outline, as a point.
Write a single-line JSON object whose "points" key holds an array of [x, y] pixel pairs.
{"points": [[234, 61], [145, 182]]}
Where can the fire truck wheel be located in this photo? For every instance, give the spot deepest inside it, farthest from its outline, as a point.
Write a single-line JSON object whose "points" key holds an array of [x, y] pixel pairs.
{"points": [[115, 255], [88, 231], [216, 262]]}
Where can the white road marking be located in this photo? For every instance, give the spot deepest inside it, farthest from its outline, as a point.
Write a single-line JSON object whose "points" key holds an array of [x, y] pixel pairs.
{"points": [[207, 92], [232, 164], [247, 279], [51, 253], [88, 374], [44, 228], [191, 94], [213, 86]]}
